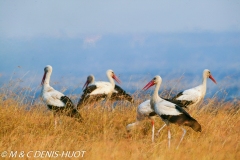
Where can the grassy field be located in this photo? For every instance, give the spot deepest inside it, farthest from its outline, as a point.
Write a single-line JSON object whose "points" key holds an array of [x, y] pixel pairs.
{"points": [[30, 130]]}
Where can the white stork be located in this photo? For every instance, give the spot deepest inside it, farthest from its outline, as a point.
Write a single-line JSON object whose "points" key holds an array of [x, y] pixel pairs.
{"points": [[170, 112], [118, 93], [193, 96], [144, 111], [55, 100], [98, 90]]}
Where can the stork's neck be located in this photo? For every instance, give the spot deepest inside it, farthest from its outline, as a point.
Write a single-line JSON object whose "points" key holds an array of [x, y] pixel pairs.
{"points": [[93, 80], [47, 79], [155, 97], [111, 81], [204, 85]]}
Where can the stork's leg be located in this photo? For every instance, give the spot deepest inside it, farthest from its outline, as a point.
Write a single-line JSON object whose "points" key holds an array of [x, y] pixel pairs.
{"points": [[184, 132], [161, 128], [153, 129], [169, 137]]}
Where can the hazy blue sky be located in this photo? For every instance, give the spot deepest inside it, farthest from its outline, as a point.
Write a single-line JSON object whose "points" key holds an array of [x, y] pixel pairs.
{"points": [[137, 39], [31, 19]]}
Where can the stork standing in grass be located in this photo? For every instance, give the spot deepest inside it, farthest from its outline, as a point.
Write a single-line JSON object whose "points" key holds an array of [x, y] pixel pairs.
{"points": [[55, 100], [170, 112], [144, 111], [99, 90], [117, 94], [187, 99], [191, 97]]}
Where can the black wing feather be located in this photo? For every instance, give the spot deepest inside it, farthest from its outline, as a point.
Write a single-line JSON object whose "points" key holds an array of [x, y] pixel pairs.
{"points": [[121, 94], [177, 102], [86, 98], [181, 103], [152, 114], [67, 101], [68, 109], [178, 95], [183, 119], [180, 109]]}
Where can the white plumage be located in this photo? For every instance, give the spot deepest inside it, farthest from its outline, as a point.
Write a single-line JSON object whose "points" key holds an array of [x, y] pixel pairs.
{"points": [[186, 98], [144, 111], [98, 90], [102, 88], [170, 112], [117, 94], [55, 100], [164, 107], [49, 94], [52, 97], [193, 96]]}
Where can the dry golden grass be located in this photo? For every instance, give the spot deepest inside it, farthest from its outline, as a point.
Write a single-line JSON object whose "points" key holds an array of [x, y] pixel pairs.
{"points": [[103, 133]]}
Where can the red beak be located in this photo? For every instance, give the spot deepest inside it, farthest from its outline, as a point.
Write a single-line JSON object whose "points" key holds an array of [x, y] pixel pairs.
{"points": [[150, 84], [85, 85], [211, 77], [116, 78], [43, 79]]}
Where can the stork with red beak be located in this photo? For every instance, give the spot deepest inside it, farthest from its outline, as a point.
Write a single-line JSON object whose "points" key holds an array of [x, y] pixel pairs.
{"points": [[191, 97], [55, 100], [98, 90], [118, 93], [185, 99], [170, 112]]}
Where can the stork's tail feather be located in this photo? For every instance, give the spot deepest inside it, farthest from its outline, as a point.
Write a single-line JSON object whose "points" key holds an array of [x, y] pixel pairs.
{"points": [[195, 125], [68, 103], [75, 114]]}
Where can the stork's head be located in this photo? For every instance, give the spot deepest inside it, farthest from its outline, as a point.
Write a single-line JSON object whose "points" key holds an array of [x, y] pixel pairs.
{"points": [[90, 79], [47, 69], [207, 74], [110, 73], [154, 81]]}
